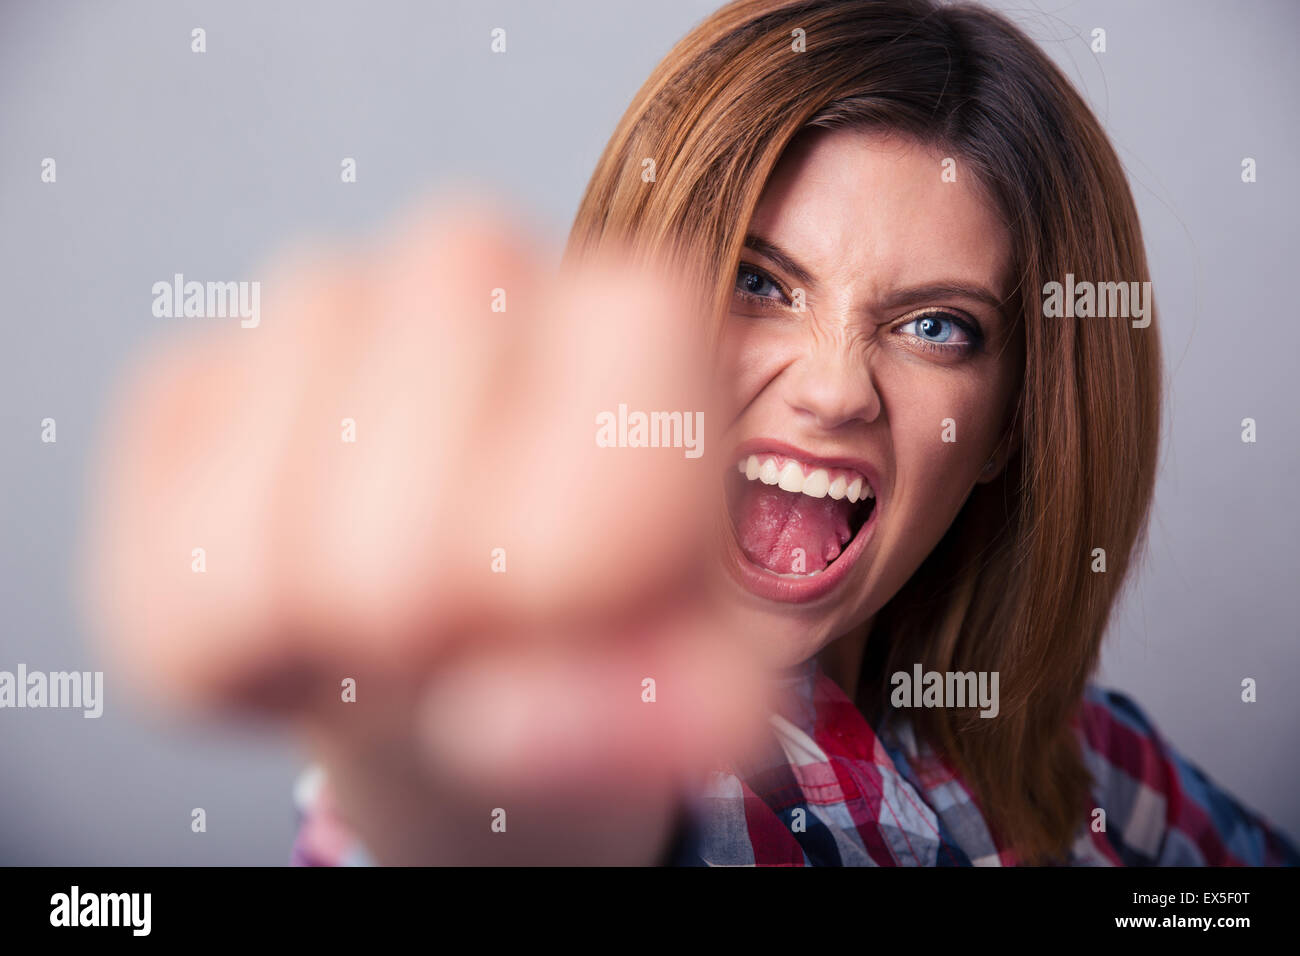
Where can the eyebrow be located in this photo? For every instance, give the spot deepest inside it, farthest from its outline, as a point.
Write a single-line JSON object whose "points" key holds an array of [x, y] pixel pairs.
{"points": [[778, 255], [901, 297], [943, 290]]}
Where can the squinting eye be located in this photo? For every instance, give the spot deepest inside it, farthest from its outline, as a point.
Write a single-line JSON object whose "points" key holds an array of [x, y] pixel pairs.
{"points": [[754, 283], [939, 328]]}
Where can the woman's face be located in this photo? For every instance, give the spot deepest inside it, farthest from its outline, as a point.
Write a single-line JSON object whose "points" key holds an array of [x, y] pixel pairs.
{"points": [[895, 380]]}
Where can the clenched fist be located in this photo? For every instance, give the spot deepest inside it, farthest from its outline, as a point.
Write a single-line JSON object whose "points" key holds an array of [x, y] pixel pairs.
{"points": [[401, 482]]}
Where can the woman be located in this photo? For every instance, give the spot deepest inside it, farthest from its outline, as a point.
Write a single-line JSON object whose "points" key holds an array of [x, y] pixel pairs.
{"points": [[936, 483], [873, 147]]}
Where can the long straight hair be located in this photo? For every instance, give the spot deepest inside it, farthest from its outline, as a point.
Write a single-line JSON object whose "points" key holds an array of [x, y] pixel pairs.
{"points": [[1014, 586]]}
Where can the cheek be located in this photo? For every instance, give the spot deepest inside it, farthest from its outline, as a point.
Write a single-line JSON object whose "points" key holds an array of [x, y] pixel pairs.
{"points": [[943, 427], [749, 356]]}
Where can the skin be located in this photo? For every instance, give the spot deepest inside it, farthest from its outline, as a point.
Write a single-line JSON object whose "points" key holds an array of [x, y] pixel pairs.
{"points": [[867, 216], [370, 561]]}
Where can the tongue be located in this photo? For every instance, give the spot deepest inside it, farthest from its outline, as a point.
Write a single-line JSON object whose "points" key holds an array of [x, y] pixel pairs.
{"points": [[788, 532]]}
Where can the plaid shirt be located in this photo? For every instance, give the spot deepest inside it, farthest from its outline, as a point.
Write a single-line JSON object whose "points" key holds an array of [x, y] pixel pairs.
{"points": [[833, 791]]}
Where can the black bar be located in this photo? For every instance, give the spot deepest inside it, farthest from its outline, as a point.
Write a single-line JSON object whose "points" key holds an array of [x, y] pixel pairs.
{"points": [[292, 905]]}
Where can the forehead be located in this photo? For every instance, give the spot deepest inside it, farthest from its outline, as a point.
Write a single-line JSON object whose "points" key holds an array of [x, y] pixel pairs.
{"points": [[873, 208]]}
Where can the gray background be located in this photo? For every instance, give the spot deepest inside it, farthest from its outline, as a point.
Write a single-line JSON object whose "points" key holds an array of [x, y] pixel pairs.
{"points": [[170, 161]]}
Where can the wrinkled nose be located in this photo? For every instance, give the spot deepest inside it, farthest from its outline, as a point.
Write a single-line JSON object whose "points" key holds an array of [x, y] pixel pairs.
{"points": [[831, 387]]}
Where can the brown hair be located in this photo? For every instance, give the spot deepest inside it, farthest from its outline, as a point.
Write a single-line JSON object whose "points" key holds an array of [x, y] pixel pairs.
{"points": [[1009, 588]]}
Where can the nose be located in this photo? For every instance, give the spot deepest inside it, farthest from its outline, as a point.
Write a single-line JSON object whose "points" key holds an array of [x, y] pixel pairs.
{"points": [[832, 385]]}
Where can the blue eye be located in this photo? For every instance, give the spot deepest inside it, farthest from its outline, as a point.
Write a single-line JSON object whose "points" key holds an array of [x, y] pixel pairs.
{"points": [[753, 283], [938, 328]]}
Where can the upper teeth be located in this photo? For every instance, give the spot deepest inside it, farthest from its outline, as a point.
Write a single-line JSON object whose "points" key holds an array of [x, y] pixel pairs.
{"points": [[791, 475]]}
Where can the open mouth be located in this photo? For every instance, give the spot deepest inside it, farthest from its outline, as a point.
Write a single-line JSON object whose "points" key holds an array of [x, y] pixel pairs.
{"points": [[796, 519]]}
